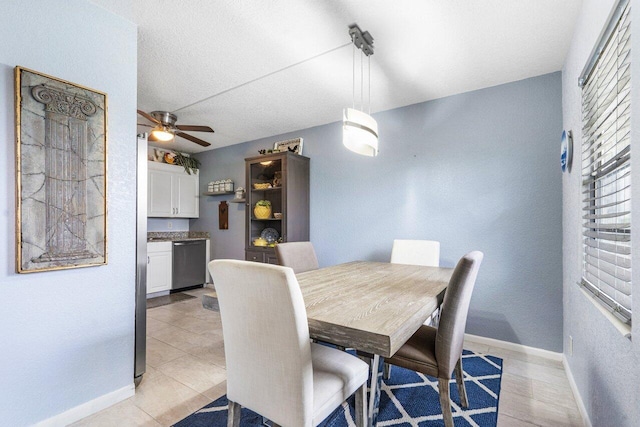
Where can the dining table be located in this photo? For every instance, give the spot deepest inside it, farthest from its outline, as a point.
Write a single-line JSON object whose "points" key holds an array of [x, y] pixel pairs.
{"points": [[371, 307]]}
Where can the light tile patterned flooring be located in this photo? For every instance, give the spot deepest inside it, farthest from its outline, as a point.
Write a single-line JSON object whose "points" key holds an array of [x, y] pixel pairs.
{"points": [[186, 370]]}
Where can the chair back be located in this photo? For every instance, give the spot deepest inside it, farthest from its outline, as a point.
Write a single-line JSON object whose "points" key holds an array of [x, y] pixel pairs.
{"points": [[298, 255], [266, 339], [453, 318], [416, 252]]}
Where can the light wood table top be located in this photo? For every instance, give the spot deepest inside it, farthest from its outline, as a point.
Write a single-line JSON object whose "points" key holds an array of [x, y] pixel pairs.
{"points": [[371, 306]]}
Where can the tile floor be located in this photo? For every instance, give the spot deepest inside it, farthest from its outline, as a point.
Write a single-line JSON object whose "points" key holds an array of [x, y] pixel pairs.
{"points": [[186, 370]]}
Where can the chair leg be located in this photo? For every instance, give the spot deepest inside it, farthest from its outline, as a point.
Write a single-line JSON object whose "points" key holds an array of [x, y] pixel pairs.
{"points": [[386, 374], [462, 391], [361, 406], [233, 415], [445, 401], [374, 390]]}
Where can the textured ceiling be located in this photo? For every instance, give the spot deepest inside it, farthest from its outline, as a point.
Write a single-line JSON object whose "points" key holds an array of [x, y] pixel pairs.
{"points": [[206, 60]]}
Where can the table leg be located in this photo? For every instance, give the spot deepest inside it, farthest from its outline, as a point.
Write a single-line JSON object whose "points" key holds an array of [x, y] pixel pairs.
{"points": [[376, 365]]}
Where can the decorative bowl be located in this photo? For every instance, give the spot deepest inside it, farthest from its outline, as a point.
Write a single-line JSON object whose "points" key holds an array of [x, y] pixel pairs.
{"points": [[260, 242], [262, 186]]}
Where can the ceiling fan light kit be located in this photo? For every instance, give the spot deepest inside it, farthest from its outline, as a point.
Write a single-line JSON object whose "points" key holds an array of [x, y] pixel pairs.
{"points": [[161, 133], [359, 129], [165, 127]]}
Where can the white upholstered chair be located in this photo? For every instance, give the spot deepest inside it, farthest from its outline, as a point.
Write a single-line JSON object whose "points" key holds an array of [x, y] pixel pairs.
{"points": [[298, 255], [272, 367], [416, 252], [438, 351]]}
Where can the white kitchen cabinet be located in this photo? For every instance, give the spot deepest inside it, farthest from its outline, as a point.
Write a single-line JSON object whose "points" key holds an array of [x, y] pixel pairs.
{"points": [[171, 192], [159, 266]]}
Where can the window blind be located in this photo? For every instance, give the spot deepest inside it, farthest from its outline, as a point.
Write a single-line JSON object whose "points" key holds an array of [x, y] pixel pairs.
{"points": [[606, 167]]}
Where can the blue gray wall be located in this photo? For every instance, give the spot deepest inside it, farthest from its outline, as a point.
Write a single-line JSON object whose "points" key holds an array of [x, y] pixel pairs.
{"points": [[605, 365], [66, 337], [478, 170]]}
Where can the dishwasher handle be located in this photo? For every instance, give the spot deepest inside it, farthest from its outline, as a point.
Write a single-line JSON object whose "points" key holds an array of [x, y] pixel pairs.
{"points": [[195, 242]]}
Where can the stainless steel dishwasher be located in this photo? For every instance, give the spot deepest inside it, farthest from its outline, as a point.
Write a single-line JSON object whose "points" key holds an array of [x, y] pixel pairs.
{"points": [[189, 264]]}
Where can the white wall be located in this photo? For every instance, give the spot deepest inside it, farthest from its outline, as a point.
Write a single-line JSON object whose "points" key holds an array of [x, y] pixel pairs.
{"points": [[604, 363], [168, 224], [478, 170], [66, 337]]}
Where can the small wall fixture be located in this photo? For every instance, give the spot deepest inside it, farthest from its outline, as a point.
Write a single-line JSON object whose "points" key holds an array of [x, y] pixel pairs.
{"points": [[359, 129]]}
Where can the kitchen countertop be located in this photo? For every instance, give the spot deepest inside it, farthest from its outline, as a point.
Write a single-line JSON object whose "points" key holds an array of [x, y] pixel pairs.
{"points": [[171, 236]]}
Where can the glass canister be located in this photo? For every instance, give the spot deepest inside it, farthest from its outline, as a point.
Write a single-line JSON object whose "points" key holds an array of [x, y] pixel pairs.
{"points": [[210, 187], [239, 193], [228, 185], [216, 186]]}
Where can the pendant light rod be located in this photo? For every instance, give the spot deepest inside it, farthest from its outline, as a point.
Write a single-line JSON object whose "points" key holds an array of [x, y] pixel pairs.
{"points": [[369, 66], [353, 81], [361, 82]]}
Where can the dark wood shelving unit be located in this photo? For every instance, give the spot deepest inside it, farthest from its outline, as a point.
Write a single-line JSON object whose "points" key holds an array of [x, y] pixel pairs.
{"points": [[290, 196]]}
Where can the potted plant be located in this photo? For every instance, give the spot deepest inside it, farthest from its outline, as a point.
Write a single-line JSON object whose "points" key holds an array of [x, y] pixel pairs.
{"points": [[262, 209], [189, 163]]}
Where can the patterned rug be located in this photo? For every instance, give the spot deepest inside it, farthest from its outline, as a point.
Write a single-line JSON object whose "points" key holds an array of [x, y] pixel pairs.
{"points": [[407, 399]]}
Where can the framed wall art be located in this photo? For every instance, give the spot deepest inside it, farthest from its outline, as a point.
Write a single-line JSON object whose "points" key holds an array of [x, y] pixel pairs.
{"points": [[294, 145], [61, 185]]}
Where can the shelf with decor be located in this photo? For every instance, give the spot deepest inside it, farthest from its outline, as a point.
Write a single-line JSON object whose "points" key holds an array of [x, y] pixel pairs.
{"points": [[282, 181], [217, 193], [265, 190]]}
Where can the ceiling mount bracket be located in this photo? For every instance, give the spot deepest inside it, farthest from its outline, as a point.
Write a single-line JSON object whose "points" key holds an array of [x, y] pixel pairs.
{"points": [[362, 40]]}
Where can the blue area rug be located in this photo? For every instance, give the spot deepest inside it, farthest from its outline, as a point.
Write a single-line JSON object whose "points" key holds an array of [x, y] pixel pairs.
{"points": [[407, 399]]}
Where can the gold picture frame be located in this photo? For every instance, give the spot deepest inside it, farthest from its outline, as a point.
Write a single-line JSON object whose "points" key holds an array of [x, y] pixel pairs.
{"points": [[61, 173]]}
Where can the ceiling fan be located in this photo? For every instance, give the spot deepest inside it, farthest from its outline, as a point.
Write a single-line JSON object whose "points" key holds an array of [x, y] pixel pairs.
{"points": [[165, 127]]}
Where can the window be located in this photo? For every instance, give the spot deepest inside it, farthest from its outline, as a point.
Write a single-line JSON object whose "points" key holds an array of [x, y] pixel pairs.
{"points": [[606, 167]]}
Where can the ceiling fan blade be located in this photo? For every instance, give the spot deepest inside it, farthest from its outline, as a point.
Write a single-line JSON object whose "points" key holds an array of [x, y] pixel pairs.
{"points": [[193, 139], [149, 117], [194, 128], [145, 124]]}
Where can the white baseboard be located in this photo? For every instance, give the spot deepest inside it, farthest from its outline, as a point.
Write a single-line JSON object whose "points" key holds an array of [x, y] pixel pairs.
{"points": [[157, 294], [576, 394], [89, 408], [552, 355]]}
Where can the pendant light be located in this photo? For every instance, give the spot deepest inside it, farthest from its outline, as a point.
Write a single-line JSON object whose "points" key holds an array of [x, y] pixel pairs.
{"points": [[359, 129]]}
